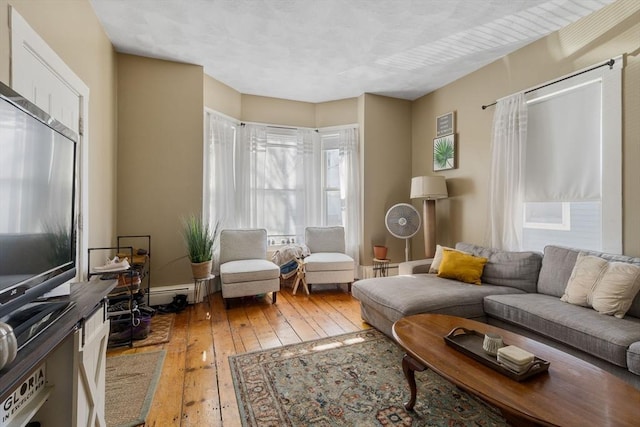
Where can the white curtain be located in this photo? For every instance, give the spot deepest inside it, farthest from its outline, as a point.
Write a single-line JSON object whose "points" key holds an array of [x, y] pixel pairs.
{"points": [[310, 171], [219, 198], [506, 180], [219, 180], [350, 190], [250, 165]]}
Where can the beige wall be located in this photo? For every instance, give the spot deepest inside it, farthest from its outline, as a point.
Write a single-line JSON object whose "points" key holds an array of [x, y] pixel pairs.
{"points": [[335, 113], [226, 100], [222, 98], [263, 109], [386, 169], [607, 33], [160, 137], [85, 48]]}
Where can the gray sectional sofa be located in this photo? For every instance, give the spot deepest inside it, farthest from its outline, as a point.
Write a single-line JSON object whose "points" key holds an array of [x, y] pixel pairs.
{"points": [[520, 292]]}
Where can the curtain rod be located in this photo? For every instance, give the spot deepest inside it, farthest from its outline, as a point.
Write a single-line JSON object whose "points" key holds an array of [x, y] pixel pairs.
{"points": [[276, 126], [339, 127], [609, 63]]}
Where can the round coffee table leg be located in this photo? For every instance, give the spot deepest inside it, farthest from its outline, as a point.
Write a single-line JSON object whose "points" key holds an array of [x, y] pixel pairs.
{"points": [[409, 367]]}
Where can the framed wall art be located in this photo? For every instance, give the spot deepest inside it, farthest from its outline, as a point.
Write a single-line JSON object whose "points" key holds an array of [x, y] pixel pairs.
{"points": [[444, 153], [445, 124]]}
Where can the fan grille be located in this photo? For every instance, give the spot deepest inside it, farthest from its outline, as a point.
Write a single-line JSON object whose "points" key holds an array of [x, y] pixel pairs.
{"points": [[402, 220]]}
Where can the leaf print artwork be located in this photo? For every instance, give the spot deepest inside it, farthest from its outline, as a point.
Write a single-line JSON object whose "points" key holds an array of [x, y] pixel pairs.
{"points": [[444, 153]]}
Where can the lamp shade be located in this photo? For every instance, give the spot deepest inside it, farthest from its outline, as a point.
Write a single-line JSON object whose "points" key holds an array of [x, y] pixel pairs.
{"points": [[429, 187]]}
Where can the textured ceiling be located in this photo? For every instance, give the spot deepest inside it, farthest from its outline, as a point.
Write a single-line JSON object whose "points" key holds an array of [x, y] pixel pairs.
{"points": [[322, 50]]}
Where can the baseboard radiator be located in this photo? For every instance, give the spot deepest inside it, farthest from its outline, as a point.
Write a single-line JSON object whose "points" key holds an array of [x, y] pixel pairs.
{"points": [[161, 295]]}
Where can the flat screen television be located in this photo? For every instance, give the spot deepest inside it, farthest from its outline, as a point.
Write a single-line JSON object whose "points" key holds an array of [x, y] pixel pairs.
{"points": [[37, 202]]}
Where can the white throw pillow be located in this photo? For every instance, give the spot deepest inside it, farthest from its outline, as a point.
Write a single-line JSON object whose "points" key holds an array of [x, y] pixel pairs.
{"points": [[437, 258], [607, 287], [584, 277], [616, 290]]}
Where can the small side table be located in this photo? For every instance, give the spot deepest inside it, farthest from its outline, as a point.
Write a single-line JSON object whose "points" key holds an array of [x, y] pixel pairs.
{"points": [[300, 277], [199, 284], [380, 267]]}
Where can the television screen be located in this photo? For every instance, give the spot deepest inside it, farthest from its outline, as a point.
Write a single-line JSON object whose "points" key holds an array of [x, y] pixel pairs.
{"points": [[37, 205]]}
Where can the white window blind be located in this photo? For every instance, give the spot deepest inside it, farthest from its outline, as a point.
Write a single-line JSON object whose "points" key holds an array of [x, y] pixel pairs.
{"points": [[564, 144]]}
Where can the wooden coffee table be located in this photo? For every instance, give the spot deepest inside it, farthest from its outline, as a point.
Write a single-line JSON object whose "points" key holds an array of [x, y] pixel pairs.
{"points": [[572, 392]]}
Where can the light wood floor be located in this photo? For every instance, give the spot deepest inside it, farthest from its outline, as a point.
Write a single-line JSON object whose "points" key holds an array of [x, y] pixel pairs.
{"points": [[196, 388]]}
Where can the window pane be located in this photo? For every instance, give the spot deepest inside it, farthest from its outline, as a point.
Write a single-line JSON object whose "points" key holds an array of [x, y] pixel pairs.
{"points": [[543, 213], [332, 168], [333, 205], [584, 232], [280, 206], [280, 168], [278, 187]]}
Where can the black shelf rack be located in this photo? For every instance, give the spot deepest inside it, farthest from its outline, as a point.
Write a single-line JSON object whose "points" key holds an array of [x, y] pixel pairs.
{"points": [[140, 266], [144, 268]]}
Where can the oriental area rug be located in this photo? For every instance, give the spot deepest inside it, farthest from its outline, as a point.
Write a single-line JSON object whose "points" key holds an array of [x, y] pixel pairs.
{"points": [[348, 380], [130, 384]]}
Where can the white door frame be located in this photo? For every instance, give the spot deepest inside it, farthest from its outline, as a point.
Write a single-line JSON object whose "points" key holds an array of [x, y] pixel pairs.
{"points": [[25, 41]]}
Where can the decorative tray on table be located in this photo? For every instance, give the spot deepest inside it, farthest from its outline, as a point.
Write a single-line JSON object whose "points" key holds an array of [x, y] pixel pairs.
{"points": [[470, 342]]}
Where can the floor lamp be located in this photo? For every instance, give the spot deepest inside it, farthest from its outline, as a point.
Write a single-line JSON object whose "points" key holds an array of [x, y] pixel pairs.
{"points": [[429, 188]]}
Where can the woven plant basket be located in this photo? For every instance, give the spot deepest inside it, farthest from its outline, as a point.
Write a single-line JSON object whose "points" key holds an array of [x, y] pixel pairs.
{"points": [[201, 270]]}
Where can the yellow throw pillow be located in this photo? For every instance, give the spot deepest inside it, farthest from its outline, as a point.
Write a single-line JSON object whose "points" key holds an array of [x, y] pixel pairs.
{"points": [[437, 258], [463, 267]]}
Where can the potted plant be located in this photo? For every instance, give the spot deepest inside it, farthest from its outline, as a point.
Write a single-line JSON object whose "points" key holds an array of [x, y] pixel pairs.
{"points": [[200, 239], [379, 252]]}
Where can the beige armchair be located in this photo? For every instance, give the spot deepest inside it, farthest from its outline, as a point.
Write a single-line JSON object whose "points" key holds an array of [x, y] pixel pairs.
{"points": [[328, 262], [244, 268]]}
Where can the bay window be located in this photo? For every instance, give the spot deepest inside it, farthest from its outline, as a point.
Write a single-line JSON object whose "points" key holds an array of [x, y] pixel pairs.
{"points": [[282, 179]]}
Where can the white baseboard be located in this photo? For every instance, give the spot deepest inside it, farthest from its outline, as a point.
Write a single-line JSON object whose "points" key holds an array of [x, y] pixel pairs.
{"points": [[365, 271], [164, 294]]}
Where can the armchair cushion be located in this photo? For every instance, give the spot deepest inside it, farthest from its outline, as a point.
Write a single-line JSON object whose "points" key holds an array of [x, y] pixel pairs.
{"points": [[328, 261], [325, 239], [243, 244], [248, 270]]}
